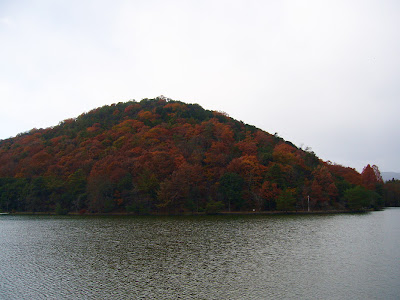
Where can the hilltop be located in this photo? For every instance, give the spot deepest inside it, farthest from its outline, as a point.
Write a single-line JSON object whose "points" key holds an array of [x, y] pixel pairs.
{"points": [[165, 156]]}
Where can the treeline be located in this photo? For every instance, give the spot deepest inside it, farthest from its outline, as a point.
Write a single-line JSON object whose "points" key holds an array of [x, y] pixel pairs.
{"points": [[392, 193], [164, 156]]}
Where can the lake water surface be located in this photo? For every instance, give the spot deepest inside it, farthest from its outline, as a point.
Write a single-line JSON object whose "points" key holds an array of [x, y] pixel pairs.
{"points": [[343, 256]]}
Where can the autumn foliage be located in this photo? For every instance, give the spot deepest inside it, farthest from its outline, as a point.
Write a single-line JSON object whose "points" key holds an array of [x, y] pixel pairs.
{"points": [[159, 156]]}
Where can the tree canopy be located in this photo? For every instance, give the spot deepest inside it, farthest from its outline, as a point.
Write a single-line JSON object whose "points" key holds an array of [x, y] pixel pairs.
{"points": [[165, 156]]}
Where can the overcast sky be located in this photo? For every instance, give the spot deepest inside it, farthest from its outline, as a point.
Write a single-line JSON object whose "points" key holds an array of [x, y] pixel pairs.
{"points": [[323, 74]]}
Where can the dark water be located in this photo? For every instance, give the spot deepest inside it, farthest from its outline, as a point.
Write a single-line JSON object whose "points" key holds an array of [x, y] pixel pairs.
{"points": [[346, 256]]}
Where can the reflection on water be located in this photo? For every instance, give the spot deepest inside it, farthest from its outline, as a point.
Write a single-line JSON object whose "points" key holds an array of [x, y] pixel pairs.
{"points": [[342, 256]]}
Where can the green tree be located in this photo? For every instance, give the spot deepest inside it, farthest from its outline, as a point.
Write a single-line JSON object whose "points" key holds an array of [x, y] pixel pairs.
{"points": [[100, 191], [359, 198], [38, 195], [286, 200], [230, 186], [9, 193], [214, 207], [75, 194], [275, 175]]}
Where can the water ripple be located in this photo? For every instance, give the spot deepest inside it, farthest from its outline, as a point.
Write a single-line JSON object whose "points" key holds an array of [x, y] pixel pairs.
{"points": [[222, 257]]}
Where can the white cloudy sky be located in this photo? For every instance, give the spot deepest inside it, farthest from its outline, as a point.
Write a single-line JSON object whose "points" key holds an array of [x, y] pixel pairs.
{"points": [[320, 73]]}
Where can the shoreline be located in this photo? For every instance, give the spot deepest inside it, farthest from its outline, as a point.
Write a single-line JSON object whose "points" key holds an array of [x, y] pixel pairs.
{"points": [[223, 213]]}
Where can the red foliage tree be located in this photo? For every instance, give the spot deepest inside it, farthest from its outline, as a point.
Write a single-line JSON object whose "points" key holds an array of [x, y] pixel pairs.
{"points": [[248, 146], [180, 187], [348, 174], [370, 177], [323, 188]]}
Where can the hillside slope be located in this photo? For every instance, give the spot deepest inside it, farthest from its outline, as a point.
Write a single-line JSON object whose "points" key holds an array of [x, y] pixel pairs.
{"points": [[164, 156]]}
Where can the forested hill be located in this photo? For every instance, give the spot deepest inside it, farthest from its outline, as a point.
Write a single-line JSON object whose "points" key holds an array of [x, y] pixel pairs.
{"points": [[164, 156]]}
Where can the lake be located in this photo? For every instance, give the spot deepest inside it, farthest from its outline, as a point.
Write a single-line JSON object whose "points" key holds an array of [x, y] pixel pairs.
{"points": [[342, 256]]}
